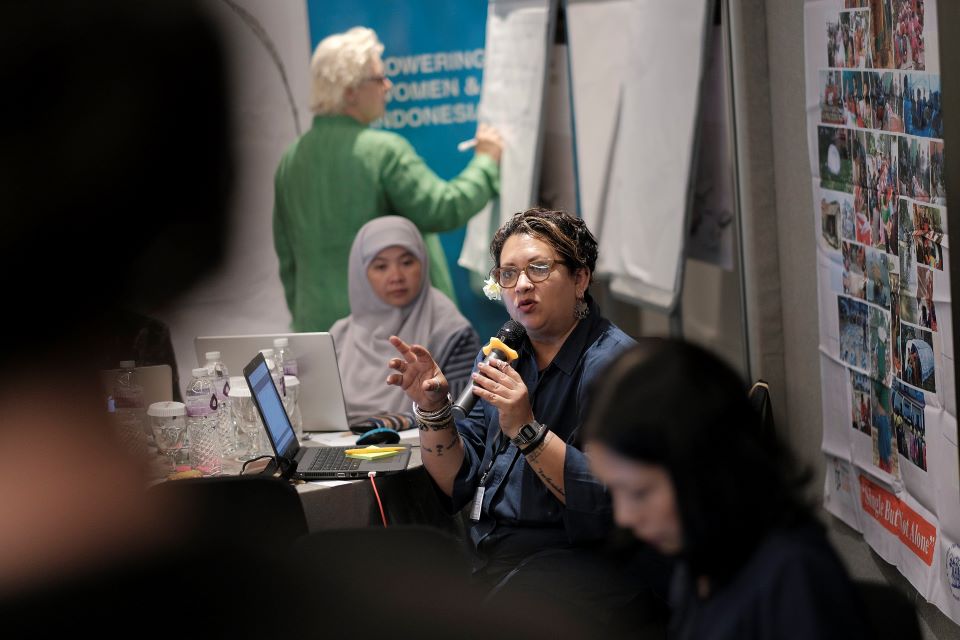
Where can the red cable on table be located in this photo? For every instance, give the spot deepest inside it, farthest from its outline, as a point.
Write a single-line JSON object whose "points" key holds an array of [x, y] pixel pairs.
{"points": [[383, 516]]}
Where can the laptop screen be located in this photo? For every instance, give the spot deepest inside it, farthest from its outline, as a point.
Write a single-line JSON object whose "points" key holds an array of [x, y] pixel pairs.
{"points": [[271, 408]]}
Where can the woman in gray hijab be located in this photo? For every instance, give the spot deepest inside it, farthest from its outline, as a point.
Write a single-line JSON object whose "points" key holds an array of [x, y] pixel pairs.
{"points": [[390, 294]]}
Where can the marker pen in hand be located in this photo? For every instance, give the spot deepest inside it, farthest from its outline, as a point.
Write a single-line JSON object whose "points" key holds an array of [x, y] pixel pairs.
{"points": [[466, 145]]}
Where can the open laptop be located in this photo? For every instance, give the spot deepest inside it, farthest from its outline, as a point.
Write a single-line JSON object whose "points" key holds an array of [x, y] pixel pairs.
{"points": [[307, 463], [321, 393]]}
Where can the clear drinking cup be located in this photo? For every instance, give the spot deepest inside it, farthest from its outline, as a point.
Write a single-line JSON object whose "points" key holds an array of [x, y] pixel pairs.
{"points": [[168, 422]]}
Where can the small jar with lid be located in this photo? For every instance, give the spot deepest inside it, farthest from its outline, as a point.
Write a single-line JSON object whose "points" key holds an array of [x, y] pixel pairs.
{"points": [[168, 421]]}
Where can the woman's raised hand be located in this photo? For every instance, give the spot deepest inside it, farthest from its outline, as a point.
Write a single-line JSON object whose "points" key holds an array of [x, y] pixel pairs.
{"points": [[418, 375]]}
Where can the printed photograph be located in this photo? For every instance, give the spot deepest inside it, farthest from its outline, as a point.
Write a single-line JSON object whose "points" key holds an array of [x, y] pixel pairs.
{"points": [[895, 296], [918, 167], [921, 105], [908, 42], [877, 228], [857, 25], [917, 357], [836, 47], [907, 309], [888, 102], [860, 402], [905, 221], [854, 268], [882, 434], [830, 220], [927, 221], [926, 311], [904, 173], [928, 252], [881, 160], [879, 345], [908, 268], [831, 97], [938, 192], [878, 278], [909, 425], [862, 216], [853, 332], [887, 200], [857, 99], [858, 157], [834, 153], [848, 218], [881, 20]]}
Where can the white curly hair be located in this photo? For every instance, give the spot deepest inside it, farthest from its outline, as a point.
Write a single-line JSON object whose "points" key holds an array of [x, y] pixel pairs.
{"points": [[341, 61]]}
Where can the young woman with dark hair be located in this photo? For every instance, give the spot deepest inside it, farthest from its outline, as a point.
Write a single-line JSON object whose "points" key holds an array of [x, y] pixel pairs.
{"points": [[673, 436]]}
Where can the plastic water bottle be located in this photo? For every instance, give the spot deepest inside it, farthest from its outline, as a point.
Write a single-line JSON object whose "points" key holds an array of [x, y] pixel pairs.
{"points": [[286, 361], [129, 408], [206, 454], [220, 378], [275, 373]]}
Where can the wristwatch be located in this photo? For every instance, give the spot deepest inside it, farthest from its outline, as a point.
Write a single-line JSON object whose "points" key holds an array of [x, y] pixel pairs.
{"points": [[529, 434]]}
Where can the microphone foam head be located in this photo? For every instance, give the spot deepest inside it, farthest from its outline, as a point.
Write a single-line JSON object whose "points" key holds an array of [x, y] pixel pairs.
{"points": [[512, 333]]}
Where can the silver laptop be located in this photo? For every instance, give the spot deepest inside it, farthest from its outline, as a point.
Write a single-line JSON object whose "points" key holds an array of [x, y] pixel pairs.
{"points": [[307, 463], [156, 380], [321, 393]]}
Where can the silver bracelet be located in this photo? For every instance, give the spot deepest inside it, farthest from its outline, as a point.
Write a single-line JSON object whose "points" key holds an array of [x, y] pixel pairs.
{"points": [[434, 420]]}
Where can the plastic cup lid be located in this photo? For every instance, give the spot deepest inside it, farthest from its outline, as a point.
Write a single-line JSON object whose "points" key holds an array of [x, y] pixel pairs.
{"points": [[239, 392], [281, 342], [200, 372], [291, 381], [128, 364], [167, 409], [212, 355], [267, 353]]}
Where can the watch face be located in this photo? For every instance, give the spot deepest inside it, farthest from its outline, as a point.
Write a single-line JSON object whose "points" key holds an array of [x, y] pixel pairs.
{"points": [[528, 431]]}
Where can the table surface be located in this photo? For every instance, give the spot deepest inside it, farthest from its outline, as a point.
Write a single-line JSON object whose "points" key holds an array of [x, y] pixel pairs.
{"points": [[408, 497]]}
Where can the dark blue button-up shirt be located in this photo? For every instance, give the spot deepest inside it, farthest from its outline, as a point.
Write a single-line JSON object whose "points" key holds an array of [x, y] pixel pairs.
{"points": [[516, 502]]}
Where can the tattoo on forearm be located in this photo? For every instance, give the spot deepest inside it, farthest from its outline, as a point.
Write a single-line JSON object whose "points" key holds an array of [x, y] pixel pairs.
{"points": [[435, 427], [440, 448], [549, 481]]}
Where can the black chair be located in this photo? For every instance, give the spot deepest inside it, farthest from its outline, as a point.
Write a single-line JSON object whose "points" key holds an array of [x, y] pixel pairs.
{"points": [[434, 556], [259, 511], [890, 612], [411, 581], [759, 395]]}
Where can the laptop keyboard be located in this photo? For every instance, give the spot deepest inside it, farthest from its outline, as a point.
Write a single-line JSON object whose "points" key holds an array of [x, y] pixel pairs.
{"points": [[333, 459]]}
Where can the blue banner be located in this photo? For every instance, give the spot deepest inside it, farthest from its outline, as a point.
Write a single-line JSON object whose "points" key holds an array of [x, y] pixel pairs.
{"points": [[434, 57]]}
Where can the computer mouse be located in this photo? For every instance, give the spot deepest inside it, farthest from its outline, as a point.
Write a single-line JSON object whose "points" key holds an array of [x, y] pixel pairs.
{"points": [[381, 435]]}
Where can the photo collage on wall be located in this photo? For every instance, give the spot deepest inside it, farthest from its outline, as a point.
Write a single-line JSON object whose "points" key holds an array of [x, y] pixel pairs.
{"points": [[882, 209]]}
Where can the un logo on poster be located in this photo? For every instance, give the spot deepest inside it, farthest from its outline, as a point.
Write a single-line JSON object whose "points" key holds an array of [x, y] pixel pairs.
{"points": [[953, 570]]}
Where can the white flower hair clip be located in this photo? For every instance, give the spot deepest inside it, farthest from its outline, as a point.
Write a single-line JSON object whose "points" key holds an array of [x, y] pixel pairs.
{"points": [[491, 288]]}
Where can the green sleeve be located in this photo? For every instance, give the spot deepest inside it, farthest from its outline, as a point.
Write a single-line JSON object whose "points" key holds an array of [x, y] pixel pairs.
{"points": [[281, 243], [414, 191]]}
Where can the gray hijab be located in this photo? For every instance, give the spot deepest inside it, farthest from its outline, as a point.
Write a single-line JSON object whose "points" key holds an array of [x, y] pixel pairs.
{"points": [[363, 350]]}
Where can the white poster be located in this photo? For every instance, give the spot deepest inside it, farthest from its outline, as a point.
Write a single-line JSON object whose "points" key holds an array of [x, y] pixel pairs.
{"points": [[875, 133]]}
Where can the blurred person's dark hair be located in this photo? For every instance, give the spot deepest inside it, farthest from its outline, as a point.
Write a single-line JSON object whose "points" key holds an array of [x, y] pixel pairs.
{"points": [[674, 404], [114, 166]]}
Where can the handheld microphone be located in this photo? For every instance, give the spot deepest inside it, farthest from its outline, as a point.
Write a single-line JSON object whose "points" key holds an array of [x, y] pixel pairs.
{"points": [[501, 347]]}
